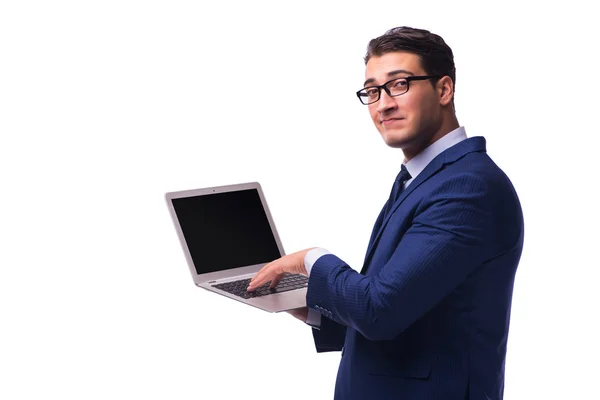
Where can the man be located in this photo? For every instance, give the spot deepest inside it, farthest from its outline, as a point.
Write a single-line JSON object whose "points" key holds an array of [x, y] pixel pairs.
{"points": [[428, 315]]}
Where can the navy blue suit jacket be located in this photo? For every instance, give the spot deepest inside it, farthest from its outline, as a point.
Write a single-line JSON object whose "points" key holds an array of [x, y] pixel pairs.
{"points": [[428, 316]]}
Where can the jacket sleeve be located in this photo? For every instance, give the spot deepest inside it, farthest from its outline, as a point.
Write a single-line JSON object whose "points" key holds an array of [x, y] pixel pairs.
{"points": [[330, 336], [445, 242]]}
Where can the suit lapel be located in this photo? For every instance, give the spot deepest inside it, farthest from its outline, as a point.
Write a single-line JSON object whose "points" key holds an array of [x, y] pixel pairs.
{"points": [[430, 170], [448, 156]]}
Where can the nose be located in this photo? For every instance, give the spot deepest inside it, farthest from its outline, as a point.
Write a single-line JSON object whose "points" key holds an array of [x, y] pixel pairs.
{"points": [[385, 103]]}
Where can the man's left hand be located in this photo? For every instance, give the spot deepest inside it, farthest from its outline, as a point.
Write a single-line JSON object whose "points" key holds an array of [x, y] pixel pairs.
{"points": [[273, 271]]}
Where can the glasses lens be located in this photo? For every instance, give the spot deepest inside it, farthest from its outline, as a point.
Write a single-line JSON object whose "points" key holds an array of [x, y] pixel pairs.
{"points": [[369, 95], [398, 86]]}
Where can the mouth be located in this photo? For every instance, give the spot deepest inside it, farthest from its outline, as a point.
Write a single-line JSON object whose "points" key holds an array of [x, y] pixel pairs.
{"points": [[389, 121]]}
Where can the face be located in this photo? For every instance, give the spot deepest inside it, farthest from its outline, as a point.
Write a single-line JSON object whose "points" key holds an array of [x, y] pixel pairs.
{"points": [[413, 120]]}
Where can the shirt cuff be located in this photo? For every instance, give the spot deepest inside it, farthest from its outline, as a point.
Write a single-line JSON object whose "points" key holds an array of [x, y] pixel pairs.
{"points": [[311, 258], [313, 318]]}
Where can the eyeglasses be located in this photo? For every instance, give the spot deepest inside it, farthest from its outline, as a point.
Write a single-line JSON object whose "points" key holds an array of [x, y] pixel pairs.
{"points": [[393, 88]]}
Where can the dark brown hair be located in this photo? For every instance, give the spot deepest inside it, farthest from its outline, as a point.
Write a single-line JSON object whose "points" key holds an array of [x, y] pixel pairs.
{"points": [[435, 55]]}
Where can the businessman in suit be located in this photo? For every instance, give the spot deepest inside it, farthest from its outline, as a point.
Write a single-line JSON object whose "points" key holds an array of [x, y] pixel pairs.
{"points": [[428, 315]]}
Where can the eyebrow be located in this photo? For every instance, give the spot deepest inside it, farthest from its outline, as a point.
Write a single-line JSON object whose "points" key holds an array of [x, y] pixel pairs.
{"points": [[389, 74]]}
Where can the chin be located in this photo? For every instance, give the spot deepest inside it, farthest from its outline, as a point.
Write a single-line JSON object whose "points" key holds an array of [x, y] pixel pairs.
{"points": [[396, 139], [394, 144]]}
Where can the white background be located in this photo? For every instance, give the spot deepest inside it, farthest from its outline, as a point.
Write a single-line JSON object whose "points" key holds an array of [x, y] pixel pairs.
{"points": [[105, 106]]}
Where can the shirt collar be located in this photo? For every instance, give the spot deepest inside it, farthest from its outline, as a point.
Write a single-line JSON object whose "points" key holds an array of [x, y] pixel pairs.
{"points": [[417, 164]]}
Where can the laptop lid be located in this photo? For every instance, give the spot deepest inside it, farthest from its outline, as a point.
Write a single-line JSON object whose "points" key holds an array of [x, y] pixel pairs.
{"points": [[224, 231]]}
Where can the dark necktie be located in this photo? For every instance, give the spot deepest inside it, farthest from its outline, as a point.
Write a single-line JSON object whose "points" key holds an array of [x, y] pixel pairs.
{"points": [[402, 177]]}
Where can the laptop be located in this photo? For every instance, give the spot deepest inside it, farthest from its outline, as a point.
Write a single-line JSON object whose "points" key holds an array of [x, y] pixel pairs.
{"points": [[227, 235]]}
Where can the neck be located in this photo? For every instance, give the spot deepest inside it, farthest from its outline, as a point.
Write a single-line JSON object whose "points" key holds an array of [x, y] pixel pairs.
{"points": [[447, 126]]}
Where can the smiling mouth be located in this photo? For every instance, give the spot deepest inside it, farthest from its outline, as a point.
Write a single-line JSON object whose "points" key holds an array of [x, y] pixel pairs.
{"points": [[390, 121]]}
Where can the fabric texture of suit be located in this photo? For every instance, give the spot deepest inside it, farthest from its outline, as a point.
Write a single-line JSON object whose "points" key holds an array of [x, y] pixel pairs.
{"points": [[428, 316]]}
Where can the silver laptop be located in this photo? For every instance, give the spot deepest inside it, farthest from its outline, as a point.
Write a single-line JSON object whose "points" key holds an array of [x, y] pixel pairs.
{"points": [[227, 235]]}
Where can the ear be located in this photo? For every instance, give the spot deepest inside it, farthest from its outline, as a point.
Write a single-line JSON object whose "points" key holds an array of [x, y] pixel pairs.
{"points": [[445, 89]]}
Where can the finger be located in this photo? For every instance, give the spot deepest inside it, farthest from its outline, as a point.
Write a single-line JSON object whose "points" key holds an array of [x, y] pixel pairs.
{"points": [[296, 315], [299, 313], [255, 283], [278, 273], [262, 277], [273, 274], [276, 280], [259, 275]]}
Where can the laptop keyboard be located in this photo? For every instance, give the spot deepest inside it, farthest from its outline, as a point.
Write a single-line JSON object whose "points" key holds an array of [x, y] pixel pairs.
{"points": [[287, 283]]}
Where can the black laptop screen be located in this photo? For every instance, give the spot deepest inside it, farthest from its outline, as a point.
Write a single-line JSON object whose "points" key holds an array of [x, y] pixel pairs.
{"points": [[226, 230]]}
